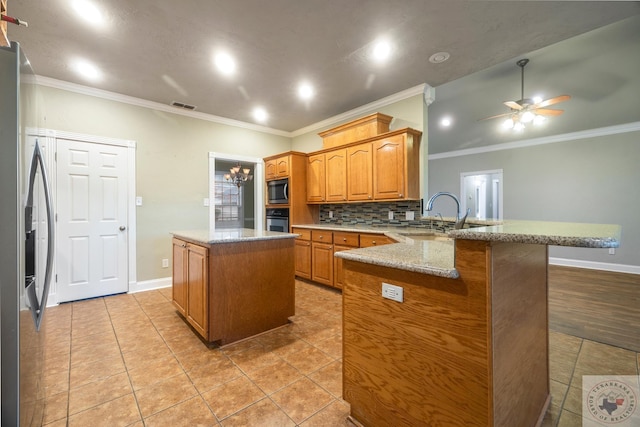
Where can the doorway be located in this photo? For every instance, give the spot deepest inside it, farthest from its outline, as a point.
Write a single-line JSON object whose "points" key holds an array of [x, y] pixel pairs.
{"points": [[481, 192], [231, 206], [95, 220]]}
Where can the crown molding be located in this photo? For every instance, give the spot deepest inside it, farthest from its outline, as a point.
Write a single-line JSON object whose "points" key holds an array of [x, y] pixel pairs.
{"points": [[358, 112], [571, 136], [126, 99]]}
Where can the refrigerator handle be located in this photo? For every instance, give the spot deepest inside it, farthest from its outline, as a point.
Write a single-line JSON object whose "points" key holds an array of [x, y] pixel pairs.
{"points": [[38, 307]]}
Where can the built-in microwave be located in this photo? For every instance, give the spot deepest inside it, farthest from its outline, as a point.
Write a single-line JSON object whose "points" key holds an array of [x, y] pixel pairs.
{"points": [[278, 191]]}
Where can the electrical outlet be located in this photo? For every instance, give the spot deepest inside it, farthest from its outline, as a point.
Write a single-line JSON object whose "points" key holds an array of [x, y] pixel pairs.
{"points": [[392, 292], [390, 214], [138, 201], [165, 263], [612, 251], [410, 215], [330, 214]]}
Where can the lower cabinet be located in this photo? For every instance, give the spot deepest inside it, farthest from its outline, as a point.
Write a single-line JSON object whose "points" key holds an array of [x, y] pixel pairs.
{"points": [[322, 257], [190, 283], [315, 250], [303, 252]]}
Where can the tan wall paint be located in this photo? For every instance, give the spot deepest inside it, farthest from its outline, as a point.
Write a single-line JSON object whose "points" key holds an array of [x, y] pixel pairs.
{"points": [[171, 162]]}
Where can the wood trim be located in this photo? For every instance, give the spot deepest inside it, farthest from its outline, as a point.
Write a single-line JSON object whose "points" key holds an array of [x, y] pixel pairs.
{"points": [[414, 132]]}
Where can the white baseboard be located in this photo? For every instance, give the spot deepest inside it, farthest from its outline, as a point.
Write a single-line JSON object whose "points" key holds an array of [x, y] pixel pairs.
{"points": [[149, 285], [593, 265]]}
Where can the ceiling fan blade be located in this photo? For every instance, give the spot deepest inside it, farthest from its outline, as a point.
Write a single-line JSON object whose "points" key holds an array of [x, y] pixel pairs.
{"points": [[552, 101], [512, 104], [495, 117], [548, 112]]}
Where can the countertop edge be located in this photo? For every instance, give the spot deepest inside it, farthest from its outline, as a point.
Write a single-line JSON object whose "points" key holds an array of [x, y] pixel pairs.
{"points": [[432, 271]]}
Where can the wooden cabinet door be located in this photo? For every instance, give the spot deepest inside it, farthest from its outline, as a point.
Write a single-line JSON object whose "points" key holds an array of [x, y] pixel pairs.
{"points": [[180, 278], [270, 169], [303, 258], [198, 295], [315, 179], [359, 175], [282, 167], [389, 168], [336, 171], [322, 260], [337, 266]]}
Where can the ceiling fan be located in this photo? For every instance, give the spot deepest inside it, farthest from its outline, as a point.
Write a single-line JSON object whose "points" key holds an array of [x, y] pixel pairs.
{"points": [[527, 110]]}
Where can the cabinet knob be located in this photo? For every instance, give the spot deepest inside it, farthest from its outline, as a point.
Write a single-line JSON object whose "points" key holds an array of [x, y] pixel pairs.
{"points": [[321, 237], [400, 195], [344, 239], [184, 245], [369, 196]]}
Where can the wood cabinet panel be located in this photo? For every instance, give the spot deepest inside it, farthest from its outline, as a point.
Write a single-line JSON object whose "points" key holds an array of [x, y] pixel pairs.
{"points": [[346, 239], [270, 170], [316, 179], [303, 258], [190, 284], [198, 295], [180, 278], [322, 263], [336, 175], [359, 172], [282, 167], [322, 236], [389, 168], [338, 275]]}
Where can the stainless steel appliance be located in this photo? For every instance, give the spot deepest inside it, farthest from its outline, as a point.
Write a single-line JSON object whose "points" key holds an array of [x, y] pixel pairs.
{"points": [[278, 220], [26, 253], [278, 191]]}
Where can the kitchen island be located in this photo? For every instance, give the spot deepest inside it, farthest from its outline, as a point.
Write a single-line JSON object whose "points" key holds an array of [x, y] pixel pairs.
{"points": [[468, 342], [231, 284]]}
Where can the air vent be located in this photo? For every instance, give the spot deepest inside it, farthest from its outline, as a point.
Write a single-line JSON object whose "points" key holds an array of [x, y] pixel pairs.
{"points": [[182, 105]]}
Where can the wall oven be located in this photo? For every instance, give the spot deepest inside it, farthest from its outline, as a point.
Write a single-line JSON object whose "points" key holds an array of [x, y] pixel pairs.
{"points": [[278, 191], [278, 220]]}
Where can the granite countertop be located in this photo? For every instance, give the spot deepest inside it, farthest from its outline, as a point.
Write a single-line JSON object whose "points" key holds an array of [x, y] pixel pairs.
{"points": [[437, 258], [546, 233], [230, 235]]}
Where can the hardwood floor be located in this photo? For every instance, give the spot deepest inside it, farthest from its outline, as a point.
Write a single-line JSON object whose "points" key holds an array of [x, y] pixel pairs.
{"points": [[597, 305]]}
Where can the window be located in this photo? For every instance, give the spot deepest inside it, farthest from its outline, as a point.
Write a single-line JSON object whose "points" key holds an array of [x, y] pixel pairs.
{"points": [[228, 203]]}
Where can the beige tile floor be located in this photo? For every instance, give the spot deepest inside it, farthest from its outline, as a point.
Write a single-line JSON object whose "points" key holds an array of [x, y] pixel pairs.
{"points": [[130, 360]]}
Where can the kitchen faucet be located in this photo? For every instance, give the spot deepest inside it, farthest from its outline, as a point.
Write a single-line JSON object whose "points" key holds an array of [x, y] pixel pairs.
{"points": [[459, 221]]}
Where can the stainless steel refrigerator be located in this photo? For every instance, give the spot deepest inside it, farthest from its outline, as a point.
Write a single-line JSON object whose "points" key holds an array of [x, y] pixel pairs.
{"points": [[26, 243]]}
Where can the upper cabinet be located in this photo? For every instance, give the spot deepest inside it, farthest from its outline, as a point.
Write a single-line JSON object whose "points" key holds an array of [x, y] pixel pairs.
{"points": [[336, 170], [384, 167], [277, 167], [359, 167], [316, 183]]}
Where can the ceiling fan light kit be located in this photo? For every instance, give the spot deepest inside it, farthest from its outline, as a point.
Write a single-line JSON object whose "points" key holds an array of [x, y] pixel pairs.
{"points": [[526, 110]]}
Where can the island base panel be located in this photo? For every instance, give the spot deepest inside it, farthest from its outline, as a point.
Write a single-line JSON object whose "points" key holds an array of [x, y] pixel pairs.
{"points": [[252, 288]]}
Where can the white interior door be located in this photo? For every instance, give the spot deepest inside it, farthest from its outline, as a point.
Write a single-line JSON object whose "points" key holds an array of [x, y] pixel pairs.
{"points": [[92, 221]]}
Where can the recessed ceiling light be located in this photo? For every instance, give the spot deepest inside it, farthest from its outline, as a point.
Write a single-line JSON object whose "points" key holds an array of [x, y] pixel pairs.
{"points": [[381, 51], [225, 63], [260, 114], [439, 57], [88, 12], [86, 69], [305, 91], [446, 122]]}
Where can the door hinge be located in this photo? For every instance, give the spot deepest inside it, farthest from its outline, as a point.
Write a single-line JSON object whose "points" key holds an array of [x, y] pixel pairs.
{"points": [[56, 217], [56, 278]]}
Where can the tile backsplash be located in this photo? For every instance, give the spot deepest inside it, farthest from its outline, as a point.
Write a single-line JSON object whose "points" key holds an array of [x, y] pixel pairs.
{"points": [[373, 214]]}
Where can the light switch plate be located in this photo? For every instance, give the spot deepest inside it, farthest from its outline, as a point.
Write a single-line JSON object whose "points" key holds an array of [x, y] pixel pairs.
{"points": [[330, 214], [392, 292], [390, 214], [138, 201]]}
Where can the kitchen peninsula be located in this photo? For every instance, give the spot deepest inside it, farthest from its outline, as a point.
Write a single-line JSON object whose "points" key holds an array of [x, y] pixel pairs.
{"points": [[467, 342], [231, 284]]}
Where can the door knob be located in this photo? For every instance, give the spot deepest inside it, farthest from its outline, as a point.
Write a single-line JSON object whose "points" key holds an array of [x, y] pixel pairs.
{"points": [[122, 228]]}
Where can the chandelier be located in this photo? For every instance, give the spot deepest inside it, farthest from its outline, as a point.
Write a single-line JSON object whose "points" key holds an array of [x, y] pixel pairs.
{"points": [[236, 177]]}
